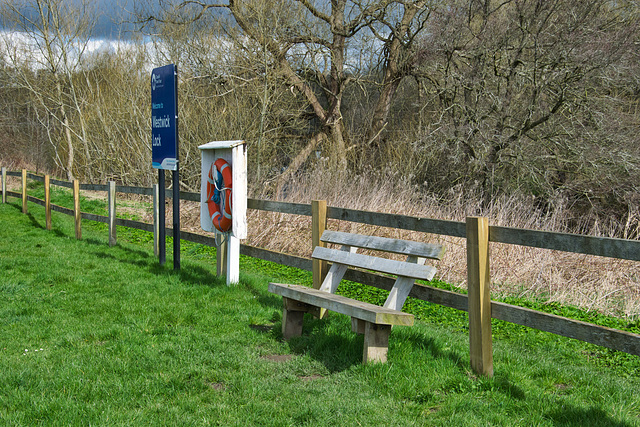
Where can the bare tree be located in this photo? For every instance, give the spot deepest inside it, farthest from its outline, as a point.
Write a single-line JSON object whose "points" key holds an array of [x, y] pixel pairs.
{"points": [[312, 46], [48, 42], [511, 84]]}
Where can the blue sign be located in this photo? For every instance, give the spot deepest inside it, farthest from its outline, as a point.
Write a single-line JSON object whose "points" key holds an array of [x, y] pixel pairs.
{"points": [[164, 118]]}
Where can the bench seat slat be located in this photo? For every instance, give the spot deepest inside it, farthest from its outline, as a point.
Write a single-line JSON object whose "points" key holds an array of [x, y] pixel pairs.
{"points": [[398, 246], [340, 304], [397, 268]]}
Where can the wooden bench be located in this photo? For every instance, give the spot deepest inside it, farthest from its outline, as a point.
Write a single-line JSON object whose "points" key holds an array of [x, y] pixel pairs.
{"points": [[372, 320]]}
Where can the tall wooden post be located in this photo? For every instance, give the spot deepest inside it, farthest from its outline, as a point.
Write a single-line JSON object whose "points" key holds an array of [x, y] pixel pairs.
{"points": [[478, 279], [318, 225], [76, 208], [47, 201], [24, 191], [221, 258], [111, 198], [4, 185]]}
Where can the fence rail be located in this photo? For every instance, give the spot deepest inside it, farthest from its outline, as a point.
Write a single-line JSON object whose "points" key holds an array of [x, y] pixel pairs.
{"points": [[601, 246]]}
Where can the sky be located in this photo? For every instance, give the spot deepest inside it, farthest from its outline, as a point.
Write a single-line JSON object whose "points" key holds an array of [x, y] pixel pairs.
{"points": [[112, 17], [112, 28]]}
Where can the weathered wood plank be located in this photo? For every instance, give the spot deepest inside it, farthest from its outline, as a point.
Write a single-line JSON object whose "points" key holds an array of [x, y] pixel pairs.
{"points": [[186, 195], [62, 209], [397, 268], [60, 183], [198, 238], [276, 257], [144, 191], [340, 304], [281, 207], [397, 246], [134, 224], [94, 217], [404, 222], [94, 187], [35, 200], [599, 335], [35, 177], [600, 246], [440, 296]]}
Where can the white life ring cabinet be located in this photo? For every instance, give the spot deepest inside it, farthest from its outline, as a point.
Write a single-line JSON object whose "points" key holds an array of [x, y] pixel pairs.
{"points": [[233, 204]]}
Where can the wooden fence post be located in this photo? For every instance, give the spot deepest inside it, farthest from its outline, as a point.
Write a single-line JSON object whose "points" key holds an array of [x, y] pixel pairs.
{"points": [[76, 208], [47, 201], [111, 198], [318, 225], [4, 185], [156, 220], [24, 191], [221, 259], [478, 279]]}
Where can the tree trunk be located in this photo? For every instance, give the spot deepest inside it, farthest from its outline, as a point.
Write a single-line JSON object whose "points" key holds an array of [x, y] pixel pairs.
{"points": [[381, 112], [297, 163], [67, 131]]}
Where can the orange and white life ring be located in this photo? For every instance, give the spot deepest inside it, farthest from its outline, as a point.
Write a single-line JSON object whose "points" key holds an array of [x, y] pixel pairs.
{"points": [[219, 207]]}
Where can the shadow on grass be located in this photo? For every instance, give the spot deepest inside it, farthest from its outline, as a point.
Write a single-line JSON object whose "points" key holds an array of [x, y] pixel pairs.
{"points": [[264, 298], [42, 225], [189, 273], [196, 275], [570, 416], [505, 386], [332, 343], [328, 341], [422, 343]]}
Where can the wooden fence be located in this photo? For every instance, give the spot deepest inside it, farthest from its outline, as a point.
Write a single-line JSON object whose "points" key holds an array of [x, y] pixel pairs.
{"points": [[477, 231]]}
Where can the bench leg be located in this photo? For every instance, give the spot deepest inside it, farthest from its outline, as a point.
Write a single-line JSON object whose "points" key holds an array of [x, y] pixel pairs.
{"points": [[292, 316], [357, 325], [376, 343], [291, 323]]}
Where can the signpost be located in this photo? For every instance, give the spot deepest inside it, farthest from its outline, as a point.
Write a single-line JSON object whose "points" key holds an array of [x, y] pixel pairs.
{"points": [[164, 149]]}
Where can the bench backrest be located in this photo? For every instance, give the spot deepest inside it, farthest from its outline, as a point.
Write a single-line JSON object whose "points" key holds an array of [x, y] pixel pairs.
{"points": [[385, 244], [406, 271]]}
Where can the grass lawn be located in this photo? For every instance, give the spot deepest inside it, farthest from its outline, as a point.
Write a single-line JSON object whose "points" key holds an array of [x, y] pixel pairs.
{"points": [[92, 334]]}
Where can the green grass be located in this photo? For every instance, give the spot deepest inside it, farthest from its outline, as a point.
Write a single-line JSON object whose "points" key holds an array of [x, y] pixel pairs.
{"points": [[92, 334]]}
